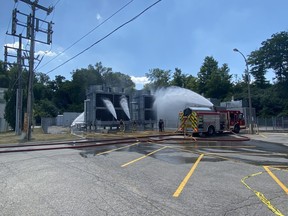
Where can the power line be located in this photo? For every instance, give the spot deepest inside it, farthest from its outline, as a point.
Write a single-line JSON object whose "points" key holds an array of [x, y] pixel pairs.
{"points": [[120, 9], [54, 7], [10, 20], [135, 17], [57, 2]]}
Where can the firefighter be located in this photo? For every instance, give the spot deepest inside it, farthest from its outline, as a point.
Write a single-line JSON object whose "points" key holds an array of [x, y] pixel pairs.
{"points": [[122, 126], [161, 125], [134, 126]]}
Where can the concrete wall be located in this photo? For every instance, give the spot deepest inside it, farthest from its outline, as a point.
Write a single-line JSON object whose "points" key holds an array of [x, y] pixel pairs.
{"points": [[46, 122], [60, 120], [64, 120], [68, 118]]}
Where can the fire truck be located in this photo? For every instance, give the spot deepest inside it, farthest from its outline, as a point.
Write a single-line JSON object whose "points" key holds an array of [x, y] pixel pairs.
{"points": [[210, 120]]}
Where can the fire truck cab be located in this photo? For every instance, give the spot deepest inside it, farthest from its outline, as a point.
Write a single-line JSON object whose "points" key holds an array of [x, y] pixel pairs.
{"points": [[210, 120], [232, 119]]}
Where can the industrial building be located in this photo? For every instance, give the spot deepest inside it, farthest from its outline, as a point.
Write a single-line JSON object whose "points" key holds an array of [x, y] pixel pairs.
{"points": [[105, 106]]}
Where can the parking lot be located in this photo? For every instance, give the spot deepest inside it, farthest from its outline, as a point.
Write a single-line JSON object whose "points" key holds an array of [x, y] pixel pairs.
{"points": [[219, 176]]}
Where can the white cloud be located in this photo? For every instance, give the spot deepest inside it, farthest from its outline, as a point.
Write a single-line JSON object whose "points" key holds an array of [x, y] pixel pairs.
{"points": [[98, 16], [14, 45], [140, 80], [40, 52], [46, 53]]}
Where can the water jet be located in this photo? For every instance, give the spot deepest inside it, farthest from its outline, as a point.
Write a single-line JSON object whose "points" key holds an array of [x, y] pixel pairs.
{"points": [[110, 107]]}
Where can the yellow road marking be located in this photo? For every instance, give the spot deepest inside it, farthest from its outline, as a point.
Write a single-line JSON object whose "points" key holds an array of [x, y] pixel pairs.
{"points": [[276, 179], [199, 146], [261, 196], [262, 135], [126, 164], [215, 155], [198, 152], [185, 180], [279, 167], [117, 149], [207, 146], [246, 153]]}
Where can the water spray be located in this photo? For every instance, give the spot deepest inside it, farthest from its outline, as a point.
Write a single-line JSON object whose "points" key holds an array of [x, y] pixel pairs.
{"points": [[110, 107], [124, 105]]}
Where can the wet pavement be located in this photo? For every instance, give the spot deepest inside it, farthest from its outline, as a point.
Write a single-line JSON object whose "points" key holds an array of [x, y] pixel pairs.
{"points": [[256, 151], [222, 175], [281, 138]]}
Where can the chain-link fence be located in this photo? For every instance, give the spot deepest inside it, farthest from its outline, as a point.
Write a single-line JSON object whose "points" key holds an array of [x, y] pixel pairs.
{"points": [[272, 124], [3, 125]]}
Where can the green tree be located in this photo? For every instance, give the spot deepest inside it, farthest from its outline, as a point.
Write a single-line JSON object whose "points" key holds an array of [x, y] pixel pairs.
{"points": [[76, 89], [11, 77], [266, 101], [209, 67], [240, 89], [258, 70], [118, 79], [178, 78], [224, 85], [273, 54], [56, 84], [10, 108], [44, 108], [62, 97], [41, 88], [4, 76], [100, 69], [158, 78], [214, 82], [191, 83]]}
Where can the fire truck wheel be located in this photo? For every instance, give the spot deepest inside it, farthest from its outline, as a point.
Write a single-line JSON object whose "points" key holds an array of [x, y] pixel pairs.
{"points": [[211, 130], [236, 128]]}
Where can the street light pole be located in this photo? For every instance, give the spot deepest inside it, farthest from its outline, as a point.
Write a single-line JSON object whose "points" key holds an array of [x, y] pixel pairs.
{"points": [[249, 92]]}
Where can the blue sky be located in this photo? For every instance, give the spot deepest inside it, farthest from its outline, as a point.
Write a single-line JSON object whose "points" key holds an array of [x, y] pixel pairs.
{"points": [[173, 33]]}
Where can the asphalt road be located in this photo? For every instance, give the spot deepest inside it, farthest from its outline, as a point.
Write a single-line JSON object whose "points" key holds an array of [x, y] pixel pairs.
{"points": [[202, 177]]}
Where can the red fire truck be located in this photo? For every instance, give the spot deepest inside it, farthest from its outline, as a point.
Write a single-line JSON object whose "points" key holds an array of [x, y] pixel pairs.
{"points": [[210, 120]]}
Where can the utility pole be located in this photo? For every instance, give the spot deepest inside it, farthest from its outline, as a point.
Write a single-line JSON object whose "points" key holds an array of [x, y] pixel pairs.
{"points": [[31, 32], [31, 71], [19, 93], [32, 26]]}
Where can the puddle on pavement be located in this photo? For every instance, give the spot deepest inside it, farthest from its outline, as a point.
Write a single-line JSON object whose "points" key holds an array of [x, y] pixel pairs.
{"points": [[260, 155], [142, 148], [184, 159]]}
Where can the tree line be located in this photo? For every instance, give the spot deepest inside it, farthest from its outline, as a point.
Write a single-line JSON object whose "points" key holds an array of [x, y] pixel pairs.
{"points": [[53, 97], [214, 81]]}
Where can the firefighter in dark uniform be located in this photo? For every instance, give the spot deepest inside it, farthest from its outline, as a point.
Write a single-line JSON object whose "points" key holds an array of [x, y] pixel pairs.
{"points": [[122, 126], [161, 125], [134, 126]]}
